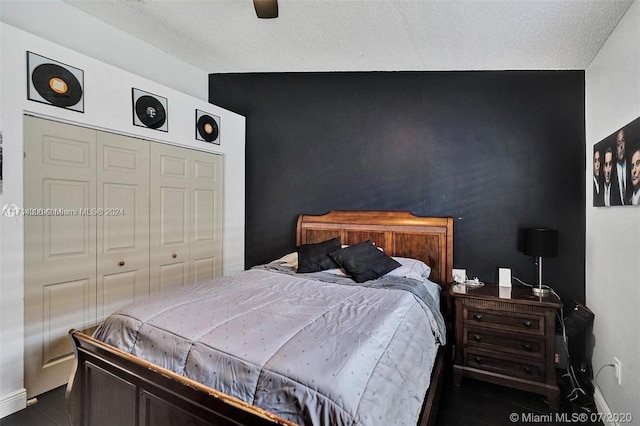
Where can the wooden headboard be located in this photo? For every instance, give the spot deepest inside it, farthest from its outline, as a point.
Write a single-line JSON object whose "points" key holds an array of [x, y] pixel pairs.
{"points": [[402, 234]]}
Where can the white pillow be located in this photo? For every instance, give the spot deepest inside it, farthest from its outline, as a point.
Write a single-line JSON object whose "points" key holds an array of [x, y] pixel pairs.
{"points": [[337, 271], [433, 289], [290, 259], [411, 268]]}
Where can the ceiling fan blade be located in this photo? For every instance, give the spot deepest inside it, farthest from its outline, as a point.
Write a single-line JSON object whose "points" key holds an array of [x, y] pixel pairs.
{"points": [[266, 8]]}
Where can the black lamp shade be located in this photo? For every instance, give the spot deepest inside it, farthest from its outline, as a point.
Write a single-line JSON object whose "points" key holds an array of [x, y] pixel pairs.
{"points": [[540, 242]]}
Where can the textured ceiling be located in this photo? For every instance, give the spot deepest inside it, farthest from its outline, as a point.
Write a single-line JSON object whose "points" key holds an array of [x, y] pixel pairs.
{"points": [[219, 36]]}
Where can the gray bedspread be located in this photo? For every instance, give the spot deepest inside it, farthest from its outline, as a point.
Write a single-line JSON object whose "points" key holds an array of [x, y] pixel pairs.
{"points": [[314, 352]]}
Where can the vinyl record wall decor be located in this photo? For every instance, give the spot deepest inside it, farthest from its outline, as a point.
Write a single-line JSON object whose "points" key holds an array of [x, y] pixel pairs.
{"points": [[54, 83], [207, 127], [149, 110]]}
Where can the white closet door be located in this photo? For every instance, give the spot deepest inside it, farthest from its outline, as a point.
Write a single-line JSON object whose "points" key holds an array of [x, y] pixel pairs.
{"points": [[60, 247], [206, 213], [113, 219], [170, 218], [122, 221]]}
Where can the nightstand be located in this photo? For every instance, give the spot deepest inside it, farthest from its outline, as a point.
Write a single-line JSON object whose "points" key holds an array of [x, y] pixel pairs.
{"points": [[506, 336]]}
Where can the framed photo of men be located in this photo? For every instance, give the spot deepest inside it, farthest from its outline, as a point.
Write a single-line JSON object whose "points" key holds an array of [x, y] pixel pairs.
{"points": [[616, 168]]}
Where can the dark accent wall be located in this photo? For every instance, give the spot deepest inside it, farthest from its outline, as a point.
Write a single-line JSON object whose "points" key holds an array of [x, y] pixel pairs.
{"points": [[495, 150]]}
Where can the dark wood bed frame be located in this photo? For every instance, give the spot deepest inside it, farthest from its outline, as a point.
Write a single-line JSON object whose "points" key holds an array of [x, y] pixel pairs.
{"points": [[111, 387]]}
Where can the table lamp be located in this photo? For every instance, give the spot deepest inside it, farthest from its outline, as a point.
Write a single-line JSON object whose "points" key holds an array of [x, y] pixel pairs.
{"points": [[539, 243]]}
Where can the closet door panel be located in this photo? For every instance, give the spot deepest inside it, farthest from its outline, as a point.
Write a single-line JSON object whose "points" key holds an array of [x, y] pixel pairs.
{"points": [[206, 211], [59, 247], [170, 217], [173, 275], [174, 212], [119, 289], [204, 204], [204, 270], [58, 298], [66, 235], [122, 216], [119, 220]]}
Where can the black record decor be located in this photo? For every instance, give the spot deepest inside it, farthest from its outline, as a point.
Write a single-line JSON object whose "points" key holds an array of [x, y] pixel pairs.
{"points": [[149, 110], [207, 127], [52, 82]]}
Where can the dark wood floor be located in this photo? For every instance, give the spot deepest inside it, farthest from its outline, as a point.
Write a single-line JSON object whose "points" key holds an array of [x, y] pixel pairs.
{"points": [[479, 403], [48, 411], [473, 403]]}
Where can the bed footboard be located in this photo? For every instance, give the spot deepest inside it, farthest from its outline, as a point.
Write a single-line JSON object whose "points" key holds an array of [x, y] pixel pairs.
{"points": [[111, 387], [429, 413]]}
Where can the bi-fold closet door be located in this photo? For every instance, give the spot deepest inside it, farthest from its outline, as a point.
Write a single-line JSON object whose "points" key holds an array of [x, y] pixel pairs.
{"points": [[118, 208], [122, 220], [59, 251], [186, 219]]}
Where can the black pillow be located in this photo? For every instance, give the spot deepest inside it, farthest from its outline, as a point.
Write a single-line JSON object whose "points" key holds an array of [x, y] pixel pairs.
{"points": [[364, 262], [315, 257]]}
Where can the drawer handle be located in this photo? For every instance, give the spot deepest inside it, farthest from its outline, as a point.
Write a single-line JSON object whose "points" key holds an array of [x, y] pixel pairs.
{"points": [[477, 317], [528, 370], [121, 263], [174, 255], [477, 359], [477, 337], [527, 347], [527, 323]]}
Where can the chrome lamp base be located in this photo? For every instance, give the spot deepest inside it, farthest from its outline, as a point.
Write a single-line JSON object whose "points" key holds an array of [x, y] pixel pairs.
{"points": [[540, 291]]}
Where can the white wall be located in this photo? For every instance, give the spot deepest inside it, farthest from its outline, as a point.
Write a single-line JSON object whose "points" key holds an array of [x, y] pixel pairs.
{"points": [[107, 107], [67, 26], [613, 234]]}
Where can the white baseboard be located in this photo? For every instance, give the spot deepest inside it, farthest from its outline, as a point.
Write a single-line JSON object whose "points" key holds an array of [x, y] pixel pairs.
{"points": [[15, 401], [602, 406]]}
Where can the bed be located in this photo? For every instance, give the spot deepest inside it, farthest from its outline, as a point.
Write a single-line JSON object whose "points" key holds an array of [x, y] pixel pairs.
{"points": [[119, 379]]}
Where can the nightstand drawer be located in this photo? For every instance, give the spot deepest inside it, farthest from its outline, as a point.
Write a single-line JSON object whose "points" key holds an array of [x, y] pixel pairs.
{"points": [[506, 321], [507, 337], [512, 343], [529, 370]]}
